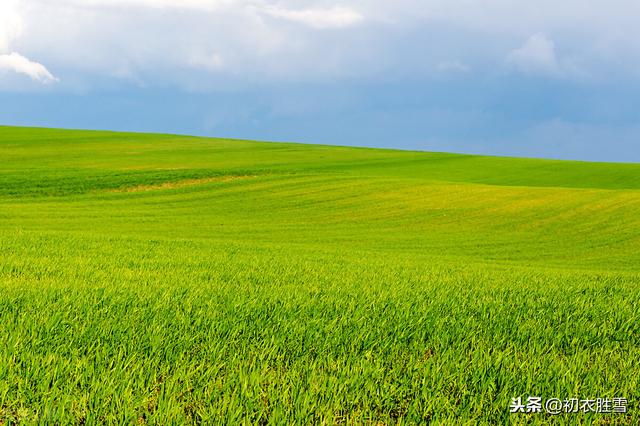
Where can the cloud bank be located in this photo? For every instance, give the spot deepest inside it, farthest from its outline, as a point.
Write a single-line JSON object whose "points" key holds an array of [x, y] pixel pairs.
{"points": [[156, 41]]}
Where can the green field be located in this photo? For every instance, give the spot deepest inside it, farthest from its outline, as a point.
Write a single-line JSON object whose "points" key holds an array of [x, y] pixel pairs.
{"points": [[158, 279]]}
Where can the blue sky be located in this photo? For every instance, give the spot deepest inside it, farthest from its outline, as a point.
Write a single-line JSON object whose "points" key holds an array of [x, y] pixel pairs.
{"points": [[499, 77]]}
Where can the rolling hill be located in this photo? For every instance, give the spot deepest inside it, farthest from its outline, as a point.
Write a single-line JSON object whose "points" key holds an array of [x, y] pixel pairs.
{"points": [[168, 279]]}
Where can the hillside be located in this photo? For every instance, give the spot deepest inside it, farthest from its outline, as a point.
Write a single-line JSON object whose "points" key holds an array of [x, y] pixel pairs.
{"points": [[169, 279]]}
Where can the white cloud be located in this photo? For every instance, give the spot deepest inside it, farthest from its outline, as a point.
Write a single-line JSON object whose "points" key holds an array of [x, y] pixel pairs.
{"points": [[335, 17], [10, 23], [536, 55], [11, 28], [18, 63], [539, 55]]}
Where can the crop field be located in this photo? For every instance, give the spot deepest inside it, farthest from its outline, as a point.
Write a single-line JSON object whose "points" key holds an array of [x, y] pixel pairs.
{"points": [[159, 279]]}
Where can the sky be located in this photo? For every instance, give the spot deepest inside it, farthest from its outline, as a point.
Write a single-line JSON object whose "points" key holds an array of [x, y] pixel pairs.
{"points": [[500, 77]]}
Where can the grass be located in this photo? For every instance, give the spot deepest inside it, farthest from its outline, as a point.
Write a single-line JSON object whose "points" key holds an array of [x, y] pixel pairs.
{"points": [[159, 279]]}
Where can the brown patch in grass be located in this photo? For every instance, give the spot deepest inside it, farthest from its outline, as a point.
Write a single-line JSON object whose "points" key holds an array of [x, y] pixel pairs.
{"points": [[179, 184], [427, 354]]}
